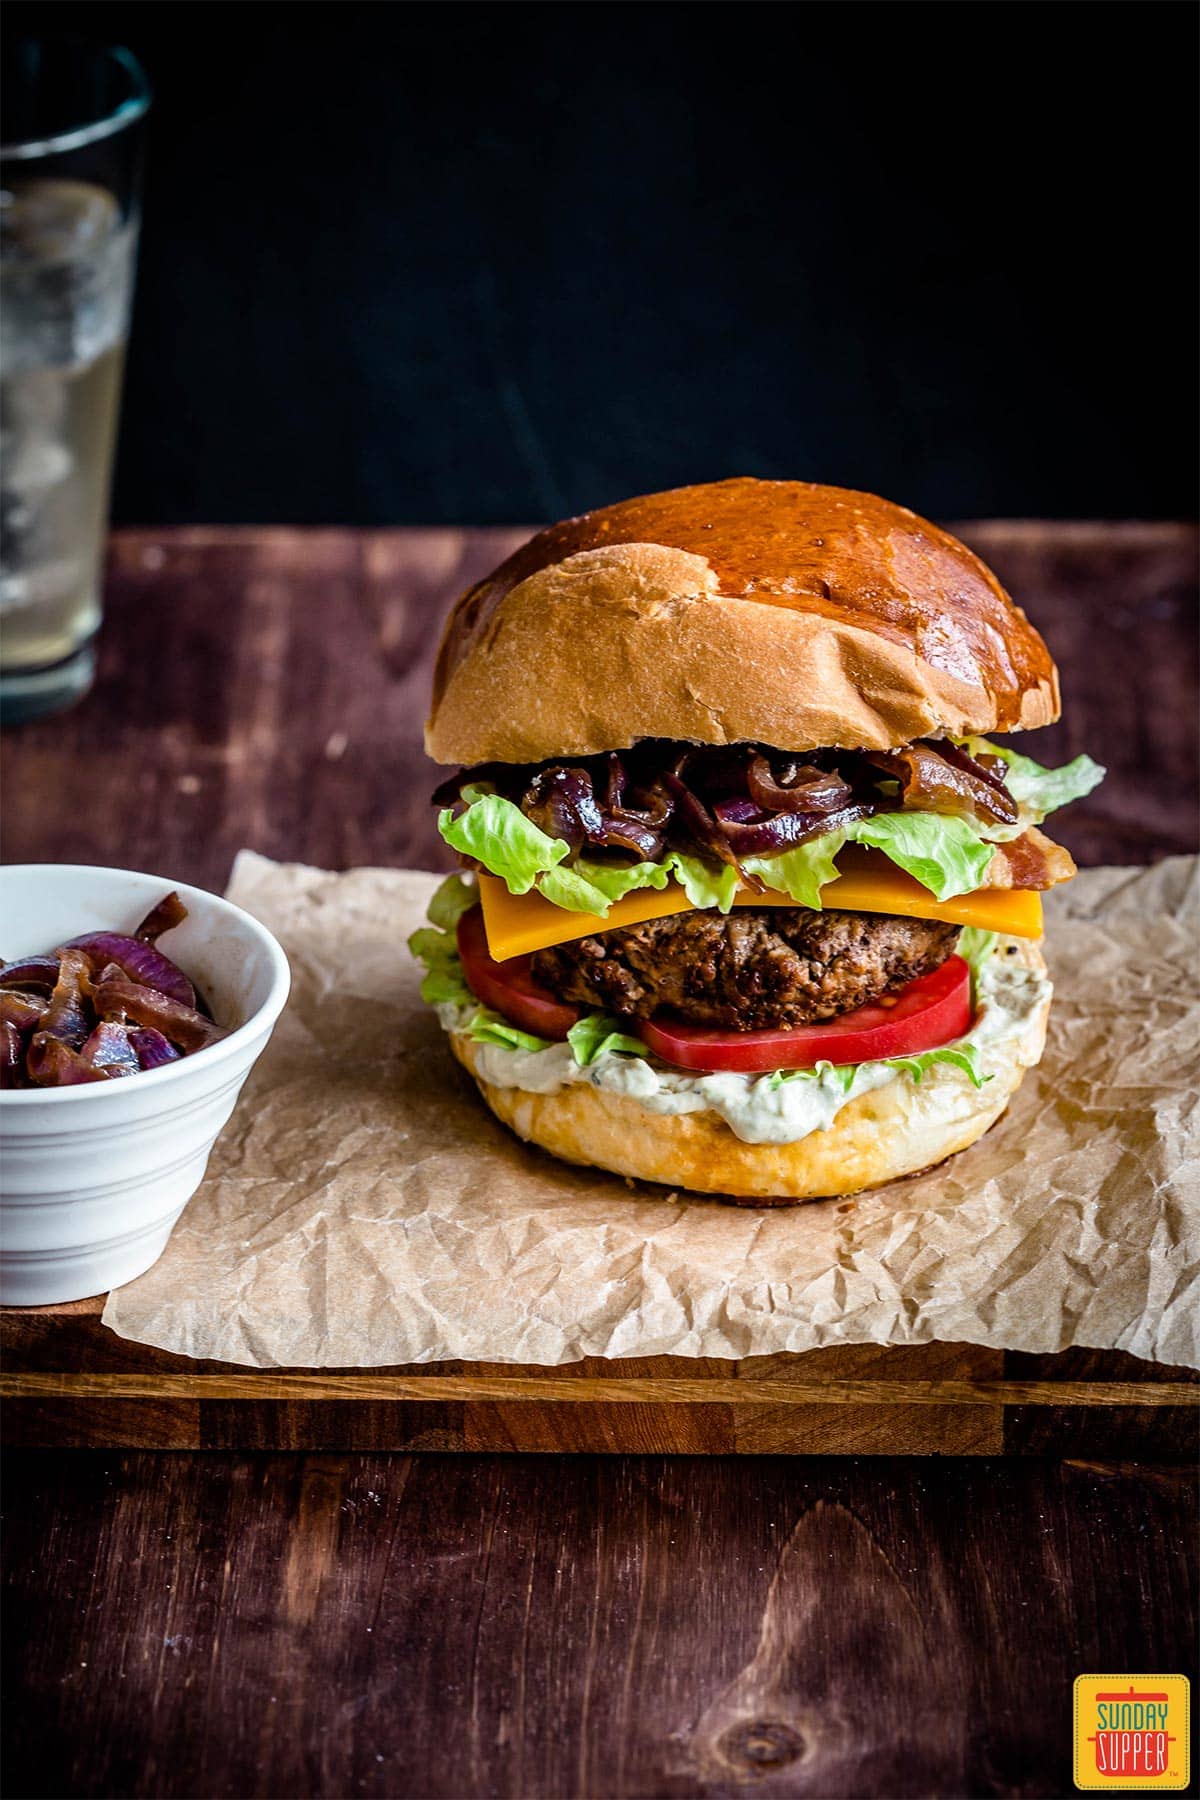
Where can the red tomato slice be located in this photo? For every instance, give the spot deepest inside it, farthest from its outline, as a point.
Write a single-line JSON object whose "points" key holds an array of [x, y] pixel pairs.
{"points": [[931, 1011], [508, 987]]}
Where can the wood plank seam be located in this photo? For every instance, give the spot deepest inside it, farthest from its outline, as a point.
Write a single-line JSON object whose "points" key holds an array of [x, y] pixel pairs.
{"points": [[590, 1391]]}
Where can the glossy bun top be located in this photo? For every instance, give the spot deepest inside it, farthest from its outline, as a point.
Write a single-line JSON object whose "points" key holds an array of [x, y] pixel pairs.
{"points": [[784, 612]]}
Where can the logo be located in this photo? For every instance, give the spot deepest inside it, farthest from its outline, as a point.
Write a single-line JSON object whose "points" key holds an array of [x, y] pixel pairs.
{"points": [[1132, 1731]]}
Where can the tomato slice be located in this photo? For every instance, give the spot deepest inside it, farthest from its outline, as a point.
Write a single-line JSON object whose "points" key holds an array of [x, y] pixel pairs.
{"points": [[931, 1011], [509, 987]]}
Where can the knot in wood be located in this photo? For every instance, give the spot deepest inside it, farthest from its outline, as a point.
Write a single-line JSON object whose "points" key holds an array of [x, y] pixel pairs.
{"points": [[761, 1745]]}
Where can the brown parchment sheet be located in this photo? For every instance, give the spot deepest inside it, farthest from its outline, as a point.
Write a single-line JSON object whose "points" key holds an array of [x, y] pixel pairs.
{"points": [[363, 1208]]}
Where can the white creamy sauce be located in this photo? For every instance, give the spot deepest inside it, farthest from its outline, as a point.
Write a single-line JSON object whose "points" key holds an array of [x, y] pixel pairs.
{"points": [[755, 1111]]}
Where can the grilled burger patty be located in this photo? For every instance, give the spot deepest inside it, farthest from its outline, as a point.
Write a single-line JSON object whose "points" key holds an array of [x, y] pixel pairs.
{"points": [[756, 968]]}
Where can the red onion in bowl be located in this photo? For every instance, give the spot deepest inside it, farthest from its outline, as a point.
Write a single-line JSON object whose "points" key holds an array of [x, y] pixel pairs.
{"points": [[109, 1048], [51, 1063], [30, 972], [23, 1011], [138, 960], [117, 996], [169, 912], [154, 1051], [66, 1016], [107, 1004], [12, 1056], [20, 1016]]}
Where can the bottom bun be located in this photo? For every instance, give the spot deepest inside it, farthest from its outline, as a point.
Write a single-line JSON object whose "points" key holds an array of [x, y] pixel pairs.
{"points": [[892, 1131]]}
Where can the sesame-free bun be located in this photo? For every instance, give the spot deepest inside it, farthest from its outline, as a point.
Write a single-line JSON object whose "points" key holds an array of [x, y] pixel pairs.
{"points": [[892, 1131], [778, 612]]}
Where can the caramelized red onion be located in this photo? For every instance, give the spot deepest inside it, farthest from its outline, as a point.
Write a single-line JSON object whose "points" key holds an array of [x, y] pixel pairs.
{"points": [[22, 1011], [30, 972], [796, 786], [169, 912], [562, 803], [153, 1049], [943, 778], [12, 1056], [109, 1048], [114, 995], [624, 830], [106, 1005], [20, 1015], [66, 1018], [51, 1063], [138, 959], [701, 826], [991, 769], [732, 801], [772, 834]]}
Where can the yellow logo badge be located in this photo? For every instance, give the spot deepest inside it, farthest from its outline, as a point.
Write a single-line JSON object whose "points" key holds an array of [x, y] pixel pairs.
{"points": [[1132, 1731]]}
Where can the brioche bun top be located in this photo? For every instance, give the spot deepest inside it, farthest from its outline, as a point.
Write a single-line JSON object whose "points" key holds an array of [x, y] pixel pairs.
{"points": [[778, 612]]}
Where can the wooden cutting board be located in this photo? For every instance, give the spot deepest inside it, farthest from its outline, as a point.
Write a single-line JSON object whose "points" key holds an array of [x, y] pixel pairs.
{"points": [[323, 760], [69, 1381]]}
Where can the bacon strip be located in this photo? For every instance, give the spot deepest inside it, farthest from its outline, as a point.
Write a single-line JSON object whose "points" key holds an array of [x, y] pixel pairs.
{"points": [[1031, 861]]}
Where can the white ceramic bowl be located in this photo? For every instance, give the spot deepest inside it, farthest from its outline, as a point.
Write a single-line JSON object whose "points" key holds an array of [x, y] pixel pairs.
{"points": [[92, 1178]]}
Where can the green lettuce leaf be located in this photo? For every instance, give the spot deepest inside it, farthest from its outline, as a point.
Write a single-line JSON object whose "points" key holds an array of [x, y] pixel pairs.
{"points": [[435, 944], [589, 1038], [975, 946], [444, 980], [842, 1073], [1038, 791], [599, 884], [705, 884], [597, 1032], [455, 897], [802, 872], [489, 1028], [959, 1056], [496, 833], [948, 856], [572, 890], [614, 882], [591, 886]]}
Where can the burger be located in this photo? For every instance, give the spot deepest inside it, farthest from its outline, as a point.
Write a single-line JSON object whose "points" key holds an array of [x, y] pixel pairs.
{"points": [[753, 877]]}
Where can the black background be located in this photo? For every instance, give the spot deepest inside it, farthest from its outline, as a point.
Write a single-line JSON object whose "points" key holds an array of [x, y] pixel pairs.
{"points": [[461, 263]]}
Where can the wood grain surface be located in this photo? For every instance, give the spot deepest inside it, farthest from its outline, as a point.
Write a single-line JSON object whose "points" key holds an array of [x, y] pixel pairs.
{"points": [[67, 1380], [375, 1625], [360, 1623]]}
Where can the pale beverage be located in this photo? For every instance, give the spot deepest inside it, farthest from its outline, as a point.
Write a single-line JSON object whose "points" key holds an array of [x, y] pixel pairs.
{"points": [[66, 266], [70, 171]]}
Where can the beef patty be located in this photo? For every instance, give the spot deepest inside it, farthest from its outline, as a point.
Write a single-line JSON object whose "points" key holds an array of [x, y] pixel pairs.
{"points": [[760, 966]]}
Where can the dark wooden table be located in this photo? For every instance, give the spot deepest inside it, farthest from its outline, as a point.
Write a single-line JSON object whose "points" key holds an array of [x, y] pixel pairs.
{"points": [[215, 1624]]}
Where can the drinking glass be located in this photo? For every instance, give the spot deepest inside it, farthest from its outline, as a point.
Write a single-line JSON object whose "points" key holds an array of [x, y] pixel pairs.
{"points": [[69, 189]]}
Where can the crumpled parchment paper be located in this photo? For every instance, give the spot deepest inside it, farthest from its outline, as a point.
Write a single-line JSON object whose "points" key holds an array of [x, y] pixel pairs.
{"points": [[363, 1208]]}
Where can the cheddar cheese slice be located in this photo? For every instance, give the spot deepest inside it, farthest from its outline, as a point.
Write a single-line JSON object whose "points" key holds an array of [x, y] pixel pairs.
{"points": [[518, 924]]}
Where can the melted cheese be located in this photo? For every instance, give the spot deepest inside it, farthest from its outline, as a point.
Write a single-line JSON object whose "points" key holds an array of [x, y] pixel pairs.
{"points": [[520, 923]]}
